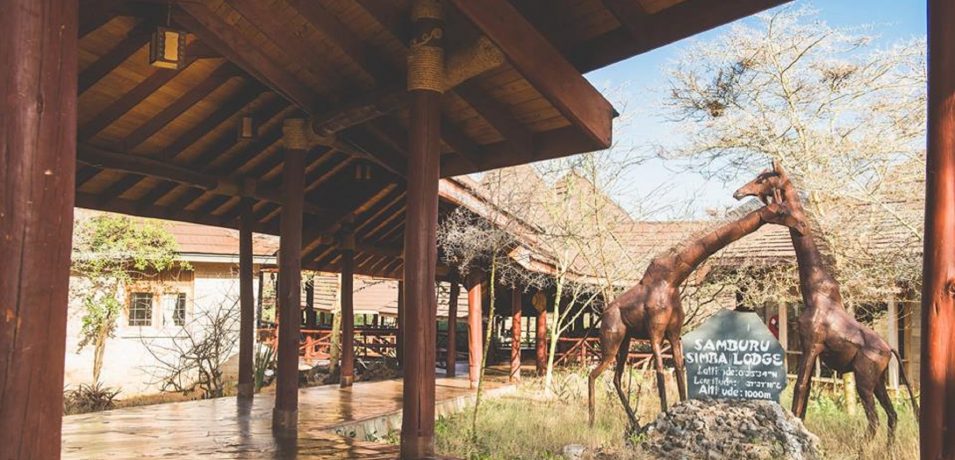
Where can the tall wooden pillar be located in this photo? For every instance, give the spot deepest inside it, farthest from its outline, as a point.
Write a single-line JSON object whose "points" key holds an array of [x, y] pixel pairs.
{"points": [[348, 310], [475, 331], [515, 375], [246, 302], [541, 343], [452, 357], [399, 340], [37, 168], [285, 414], [425, 85], [937, 433]]}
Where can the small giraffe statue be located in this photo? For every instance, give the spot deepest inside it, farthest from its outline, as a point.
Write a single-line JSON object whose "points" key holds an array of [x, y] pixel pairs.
{"points": [[652, 309], [826, 328]]}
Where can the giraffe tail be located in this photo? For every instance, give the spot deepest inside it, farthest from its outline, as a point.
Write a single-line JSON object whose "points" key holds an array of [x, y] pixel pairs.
{"points": [[905, 381]]}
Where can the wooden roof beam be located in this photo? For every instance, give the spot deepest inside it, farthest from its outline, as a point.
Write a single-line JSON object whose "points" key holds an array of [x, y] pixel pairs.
{"points": [[133, 208], [229, 42], [217, 78], [204, 160], [375, 64], [134, 41], [94, 14], [500, 118], [223, 185], [630, 14], [140, 92], [547, 145], [544, 66], [249, 93], [644, 33], [286, 39]]}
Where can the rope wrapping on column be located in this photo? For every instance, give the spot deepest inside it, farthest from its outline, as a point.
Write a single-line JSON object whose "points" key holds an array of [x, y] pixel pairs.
{"points": [[294, 134], [426, 53], [475, 59]]}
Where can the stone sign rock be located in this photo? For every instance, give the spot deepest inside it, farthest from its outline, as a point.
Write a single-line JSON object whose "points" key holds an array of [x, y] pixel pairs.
{"points": [[733, 355]]}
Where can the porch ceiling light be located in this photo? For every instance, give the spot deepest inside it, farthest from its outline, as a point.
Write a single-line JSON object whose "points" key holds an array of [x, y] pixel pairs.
{"points": [[167, 48]]}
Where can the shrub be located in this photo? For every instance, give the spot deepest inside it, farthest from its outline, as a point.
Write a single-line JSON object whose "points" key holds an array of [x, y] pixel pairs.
{"points": [[89, 398]]}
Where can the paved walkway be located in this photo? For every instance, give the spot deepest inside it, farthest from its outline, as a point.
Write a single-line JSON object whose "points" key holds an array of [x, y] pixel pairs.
{"points": [[224, 428]]}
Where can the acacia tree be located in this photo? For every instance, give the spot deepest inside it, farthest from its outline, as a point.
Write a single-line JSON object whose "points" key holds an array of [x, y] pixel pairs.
{"points": [[109, 252], [844, 117], [192, 359], [471, 242]]}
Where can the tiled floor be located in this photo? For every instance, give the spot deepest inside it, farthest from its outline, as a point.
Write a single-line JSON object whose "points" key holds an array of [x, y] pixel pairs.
{"points": [[224, 428]]}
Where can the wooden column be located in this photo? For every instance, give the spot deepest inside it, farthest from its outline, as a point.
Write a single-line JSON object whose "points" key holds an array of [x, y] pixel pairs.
{"points": [[425, 84], [452, 357], [348, 310], [541, 342], [246, 302], [285, 414], [515, 375], [783, 314], [475, 331], [37, 169], [937, 434], [399, 340]]}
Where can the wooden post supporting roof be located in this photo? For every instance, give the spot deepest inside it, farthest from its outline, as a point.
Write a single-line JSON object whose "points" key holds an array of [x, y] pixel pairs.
{"points": [[515, 375], [475, 331], [285, 414], [400, 340], [540, 343], [347, 369], [425, 84], [937, 433], [246, 302], [452, 353], [37, 168]]}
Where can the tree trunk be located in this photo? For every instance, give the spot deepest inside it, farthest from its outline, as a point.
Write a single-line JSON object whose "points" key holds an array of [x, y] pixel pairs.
{"points": [[99, 349]]}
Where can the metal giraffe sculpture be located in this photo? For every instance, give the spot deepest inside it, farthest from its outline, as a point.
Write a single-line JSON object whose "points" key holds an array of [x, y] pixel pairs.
{"points": [[827, 330], [652, 309]]}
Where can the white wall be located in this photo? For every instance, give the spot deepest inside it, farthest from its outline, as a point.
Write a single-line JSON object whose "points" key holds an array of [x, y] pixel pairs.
{"points": [[128, 363]]}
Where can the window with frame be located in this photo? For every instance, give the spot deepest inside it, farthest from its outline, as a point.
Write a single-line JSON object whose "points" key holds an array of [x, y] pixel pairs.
{"points": [[141, 309], [174, 306]]}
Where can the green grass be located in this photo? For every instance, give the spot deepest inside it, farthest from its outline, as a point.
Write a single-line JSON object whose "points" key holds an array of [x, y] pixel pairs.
{"points": [[526, 425]]}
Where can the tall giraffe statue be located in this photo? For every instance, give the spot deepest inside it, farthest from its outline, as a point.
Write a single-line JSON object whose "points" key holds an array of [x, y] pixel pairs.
{"points": [[826, 328], [652, 309]]}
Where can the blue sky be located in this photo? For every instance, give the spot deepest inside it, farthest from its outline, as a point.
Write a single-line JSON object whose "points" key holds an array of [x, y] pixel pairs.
{"points": [[641, 81]]}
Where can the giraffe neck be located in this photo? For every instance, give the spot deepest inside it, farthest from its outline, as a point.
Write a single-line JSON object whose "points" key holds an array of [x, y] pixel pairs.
{"points": [[813, 273], [693, 254]]}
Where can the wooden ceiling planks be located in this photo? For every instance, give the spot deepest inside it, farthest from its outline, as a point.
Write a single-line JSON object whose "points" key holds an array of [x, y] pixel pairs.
{"points": [[318, 54]]}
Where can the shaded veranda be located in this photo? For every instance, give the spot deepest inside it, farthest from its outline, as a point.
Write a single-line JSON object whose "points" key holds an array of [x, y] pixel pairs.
{"points": [[329, 124]]}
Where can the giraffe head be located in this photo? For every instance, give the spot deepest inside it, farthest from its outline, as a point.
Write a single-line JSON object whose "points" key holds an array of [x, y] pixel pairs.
{"points": [[767, 186]]}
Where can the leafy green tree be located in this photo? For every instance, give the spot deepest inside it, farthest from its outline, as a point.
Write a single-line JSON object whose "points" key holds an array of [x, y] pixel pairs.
{"points": [[109, 252]]}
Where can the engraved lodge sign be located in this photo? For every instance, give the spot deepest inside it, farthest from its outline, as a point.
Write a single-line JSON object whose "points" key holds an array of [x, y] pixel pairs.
{"points": [[733, 355]]}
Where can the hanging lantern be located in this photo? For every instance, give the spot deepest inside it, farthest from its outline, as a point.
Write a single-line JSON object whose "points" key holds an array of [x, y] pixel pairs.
{"points": [[167, 48], [362, 171], [247, 127]]}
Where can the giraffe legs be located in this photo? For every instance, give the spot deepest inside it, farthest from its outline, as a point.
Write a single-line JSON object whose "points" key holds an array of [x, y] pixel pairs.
{"points": [[803, 379], [676, 346], [610, 341], [661, 373], [622, 354]]}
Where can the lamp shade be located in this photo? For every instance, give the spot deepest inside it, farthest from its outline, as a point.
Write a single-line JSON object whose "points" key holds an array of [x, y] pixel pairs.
{"points": [[167, 48]]}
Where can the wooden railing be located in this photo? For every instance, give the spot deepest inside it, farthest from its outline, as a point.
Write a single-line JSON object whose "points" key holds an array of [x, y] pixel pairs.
{"points": [[586, 351], [316, 344]]}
